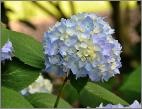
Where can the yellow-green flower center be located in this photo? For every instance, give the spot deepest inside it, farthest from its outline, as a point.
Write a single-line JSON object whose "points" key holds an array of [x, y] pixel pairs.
{"points": [[86, 49]]}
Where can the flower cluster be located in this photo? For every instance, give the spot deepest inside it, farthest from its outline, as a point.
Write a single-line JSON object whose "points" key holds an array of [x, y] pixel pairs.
{"points": [[6, 51], [84, 45], [40, 85], [134, 105]]}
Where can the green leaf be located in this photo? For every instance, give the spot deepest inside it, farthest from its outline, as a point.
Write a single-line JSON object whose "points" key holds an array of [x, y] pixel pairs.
{"points": [[89, 99], [70, 94], [133, 82], [78, 83], [131, 89], [26, 48], [18, 75], [46, 100], [93, 95], [12, 99]]}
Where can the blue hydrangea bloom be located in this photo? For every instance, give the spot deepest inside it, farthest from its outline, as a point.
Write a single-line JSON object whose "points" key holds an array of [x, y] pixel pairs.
{"points": [[6, 51], [84, 45], [134, 105]]}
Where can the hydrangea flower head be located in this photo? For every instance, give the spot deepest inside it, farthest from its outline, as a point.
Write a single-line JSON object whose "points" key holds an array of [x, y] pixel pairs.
{"points": [[84, 45], [134, 105], [6, 51], [39, 85]]}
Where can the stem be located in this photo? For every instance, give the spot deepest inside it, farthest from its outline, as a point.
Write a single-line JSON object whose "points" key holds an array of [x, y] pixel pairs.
{"points": [[58, 97]]}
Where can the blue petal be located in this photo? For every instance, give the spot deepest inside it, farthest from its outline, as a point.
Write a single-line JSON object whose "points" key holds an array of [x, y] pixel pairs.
{"points": [[55, 69], [93, 75], [81, 73], [52, 48], [55, 59], [7, 47], [88, 67], [87, 24], [5, 56], [74, 68], [71, 40], [6, 51]]}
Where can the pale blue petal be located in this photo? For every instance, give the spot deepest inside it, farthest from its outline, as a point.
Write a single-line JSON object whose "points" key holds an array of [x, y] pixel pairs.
{"points": [[6, 51], [55, 59], [134, 105], [52, 48]]}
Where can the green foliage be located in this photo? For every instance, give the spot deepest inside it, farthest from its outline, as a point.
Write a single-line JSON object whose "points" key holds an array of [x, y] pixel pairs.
{"points": [[18, 75], [133, 83], [78, 83], [89, 99], [70, 94], [26, 48], [12, 99], [110, 83], [45, 100], [94, 94], [131, 88]]}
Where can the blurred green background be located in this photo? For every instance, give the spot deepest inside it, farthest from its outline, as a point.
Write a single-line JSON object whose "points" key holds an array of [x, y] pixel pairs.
{"points": [[35, 17]]}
